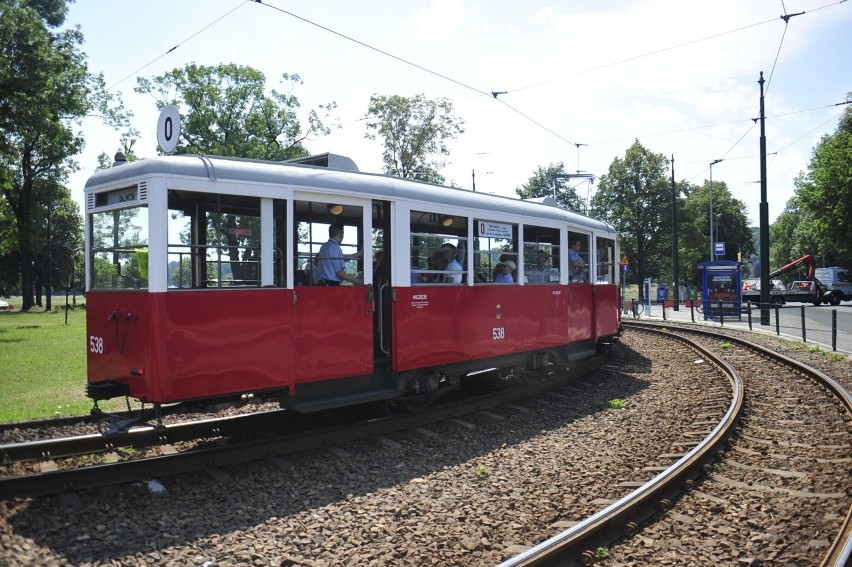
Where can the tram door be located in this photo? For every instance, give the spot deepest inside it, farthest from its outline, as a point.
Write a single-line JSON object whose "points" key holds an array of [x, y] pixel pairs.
{"points": [[332, 324], [382, 329]]}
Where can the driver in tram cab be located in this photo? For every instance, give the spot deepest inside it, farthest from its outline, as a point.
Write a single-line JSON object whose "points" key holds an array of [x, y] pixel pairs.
{"points": [[576, 262], [451, 265], [330, 267]]}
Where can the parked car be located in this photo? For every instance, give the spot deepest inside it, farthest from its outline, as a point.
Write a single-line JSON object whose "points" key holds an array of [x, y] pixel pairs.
{"points": [[5, 306]]}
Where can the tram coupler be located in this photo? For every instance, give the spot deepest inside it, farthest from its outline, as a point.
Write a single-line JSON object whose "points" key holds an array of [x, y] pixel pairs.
{"points": [[121, 426]]}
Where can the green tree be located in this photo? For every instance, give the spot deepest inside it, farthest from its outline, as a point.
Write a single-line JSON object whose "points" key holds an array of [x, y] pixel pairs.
{"points": [[824, 195], [10, 262], [550, 180], [45, 89], [60, 244], [415, 131], [792, 236], [730, 226], [226, 111], [635, 197]]}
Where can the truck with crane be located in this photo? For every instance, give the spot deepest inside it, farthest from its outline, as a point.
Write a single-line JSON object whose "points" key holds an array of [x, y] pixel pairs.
{"points": [[837, 280], [806, 290]]}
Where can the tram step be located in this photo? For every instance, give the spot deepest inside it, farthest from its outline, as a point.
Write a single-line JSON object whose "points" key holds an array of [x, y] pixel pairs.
{"points": [[308, 406]]}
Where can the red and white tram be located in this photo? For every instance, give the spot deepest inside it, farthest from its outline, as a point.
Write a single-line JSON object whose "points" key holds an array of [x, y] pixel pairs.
{"points": [[199, 285]]}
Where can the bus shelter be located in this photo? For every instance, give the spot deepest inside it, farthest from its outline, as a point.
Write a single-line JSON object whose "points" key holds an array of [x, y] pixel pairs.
{"points": [[721, 288]]}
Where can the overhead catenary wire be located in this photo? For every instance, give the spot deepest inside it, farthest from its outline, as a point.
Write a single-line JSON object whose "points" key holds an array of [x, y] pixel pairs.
{"points": [[148, 64], [493, 94]]}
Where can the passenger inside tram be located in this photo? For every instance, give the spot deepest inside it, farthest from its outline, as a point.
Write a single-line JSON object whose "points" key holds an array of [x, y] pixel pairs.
{"points": [[451, 267], [506, 272]]}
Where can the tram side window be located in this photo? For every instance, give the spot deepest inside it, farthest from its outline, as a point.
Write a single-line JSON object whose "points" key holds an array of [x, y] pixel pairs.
{"points": [[496, 256], [578, 257], [439, 247], [213, 240], [119, 249], [605, 267], [541, 255], [313, 220]]}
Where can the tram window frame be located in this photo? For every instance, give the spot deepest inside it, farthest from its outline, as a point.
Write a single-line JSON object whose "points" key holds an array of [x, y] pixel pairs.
{"points": [[127, 269], [606, 263], [279, 242], [490, 249], [310, 224], [429, 232], [539, 239], [584, 239], [206, 261]]}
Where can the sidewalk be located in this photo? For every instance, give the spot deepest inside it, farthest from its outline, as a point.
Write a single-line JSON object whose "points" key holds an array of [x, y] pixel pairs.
{"points": [[791, 322]]}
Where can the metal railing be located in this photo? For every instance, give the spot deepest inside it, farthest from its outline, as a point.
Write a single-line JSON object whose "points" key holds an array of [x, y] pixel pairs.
{"points": [[822, 325]]}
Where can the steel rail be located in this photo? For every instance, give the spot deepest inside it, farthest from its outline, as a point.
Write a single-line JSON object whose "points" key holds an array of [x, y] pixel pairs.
{"points": [[839, 553], [57, 481], [99, 416], [139, 437], [623, 517]]}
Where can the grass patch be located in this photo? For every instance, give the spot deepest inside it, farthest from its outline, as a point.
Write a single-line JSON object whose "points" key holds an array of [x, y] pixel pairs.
{"points": [[43, 365]]}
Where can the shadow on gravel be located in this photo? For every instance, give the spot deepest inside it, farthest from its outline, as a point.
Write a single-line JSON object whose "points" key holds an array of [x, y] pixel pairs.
{"points": [[198, 510]]}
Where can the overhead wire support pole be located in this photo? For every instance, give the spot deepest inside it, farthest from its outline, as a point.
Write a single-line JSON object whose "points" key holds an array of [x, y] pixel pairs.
{"points": [[764, 218], [675, 266], [712, 244]]}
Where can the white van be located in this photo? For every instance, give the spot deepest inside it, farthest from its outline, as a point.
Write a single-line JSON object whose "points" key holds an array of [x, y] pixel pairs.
{"points": [[836, 280]]}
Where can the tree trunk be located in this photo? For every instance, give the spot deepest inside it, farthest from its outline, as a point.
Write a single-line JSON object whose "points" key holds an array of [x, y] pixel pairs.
{"points": [[27, 300], [39, 284]]}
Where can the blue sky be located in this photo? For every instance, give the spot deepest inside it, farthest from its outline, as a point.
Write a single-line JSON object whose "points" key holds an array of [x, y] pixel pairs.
{"points": [[679, 76]]}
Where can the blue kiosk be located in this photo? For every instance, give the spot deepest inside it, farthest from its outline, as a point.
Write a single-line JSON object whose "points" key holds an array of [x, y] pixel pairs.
{"points": [[721, 289]]}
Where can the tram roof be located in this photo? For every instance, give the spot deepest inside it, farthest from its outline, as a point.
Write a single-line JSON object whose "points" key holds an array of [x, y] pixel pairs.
{"points": [[335, 180]]}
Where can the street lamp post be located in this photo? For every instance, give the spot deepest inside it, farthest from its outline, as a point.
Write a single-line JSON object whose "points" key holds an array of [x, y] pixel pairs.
{"points": [[712, 244]]}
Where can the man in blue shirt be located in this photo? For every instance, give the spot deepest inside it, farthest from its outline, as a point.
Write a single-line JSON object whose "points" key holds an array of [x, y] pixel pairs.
{"points": [[576, 263], [331, 261]]}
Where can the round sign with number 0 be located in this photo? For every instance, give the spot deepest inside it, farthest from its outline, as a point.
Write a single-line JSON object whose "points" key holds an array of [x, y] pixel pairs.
{"points": [[168, 129]]}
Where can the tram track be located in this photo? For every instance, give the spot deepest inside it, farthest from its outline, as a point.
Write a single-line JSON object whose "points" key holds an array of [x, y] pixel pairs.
{"points": [[786, 468], [624, 517], [58, 465]]}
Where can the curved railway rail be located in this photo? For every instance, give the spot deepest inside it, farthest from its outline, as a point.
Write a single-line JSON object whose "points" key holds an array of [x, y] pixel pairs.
{"points": [[839, 552], [624, 517]]}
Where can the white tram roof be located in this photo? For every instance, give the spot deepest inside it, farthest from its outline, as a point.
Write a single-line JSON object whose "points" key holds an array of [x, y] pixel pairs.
{"points": [[336, 180]]}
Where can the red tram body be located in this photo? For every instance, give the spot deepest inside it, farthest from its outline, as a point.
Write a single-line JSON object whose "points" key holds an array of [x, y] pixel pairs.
{"points": [[199, 285]]}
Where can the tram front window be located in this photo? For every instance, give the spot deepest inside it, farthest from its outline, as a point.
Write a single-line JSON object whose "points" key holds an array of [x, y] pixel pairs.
{"points": [[119, 249]]}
